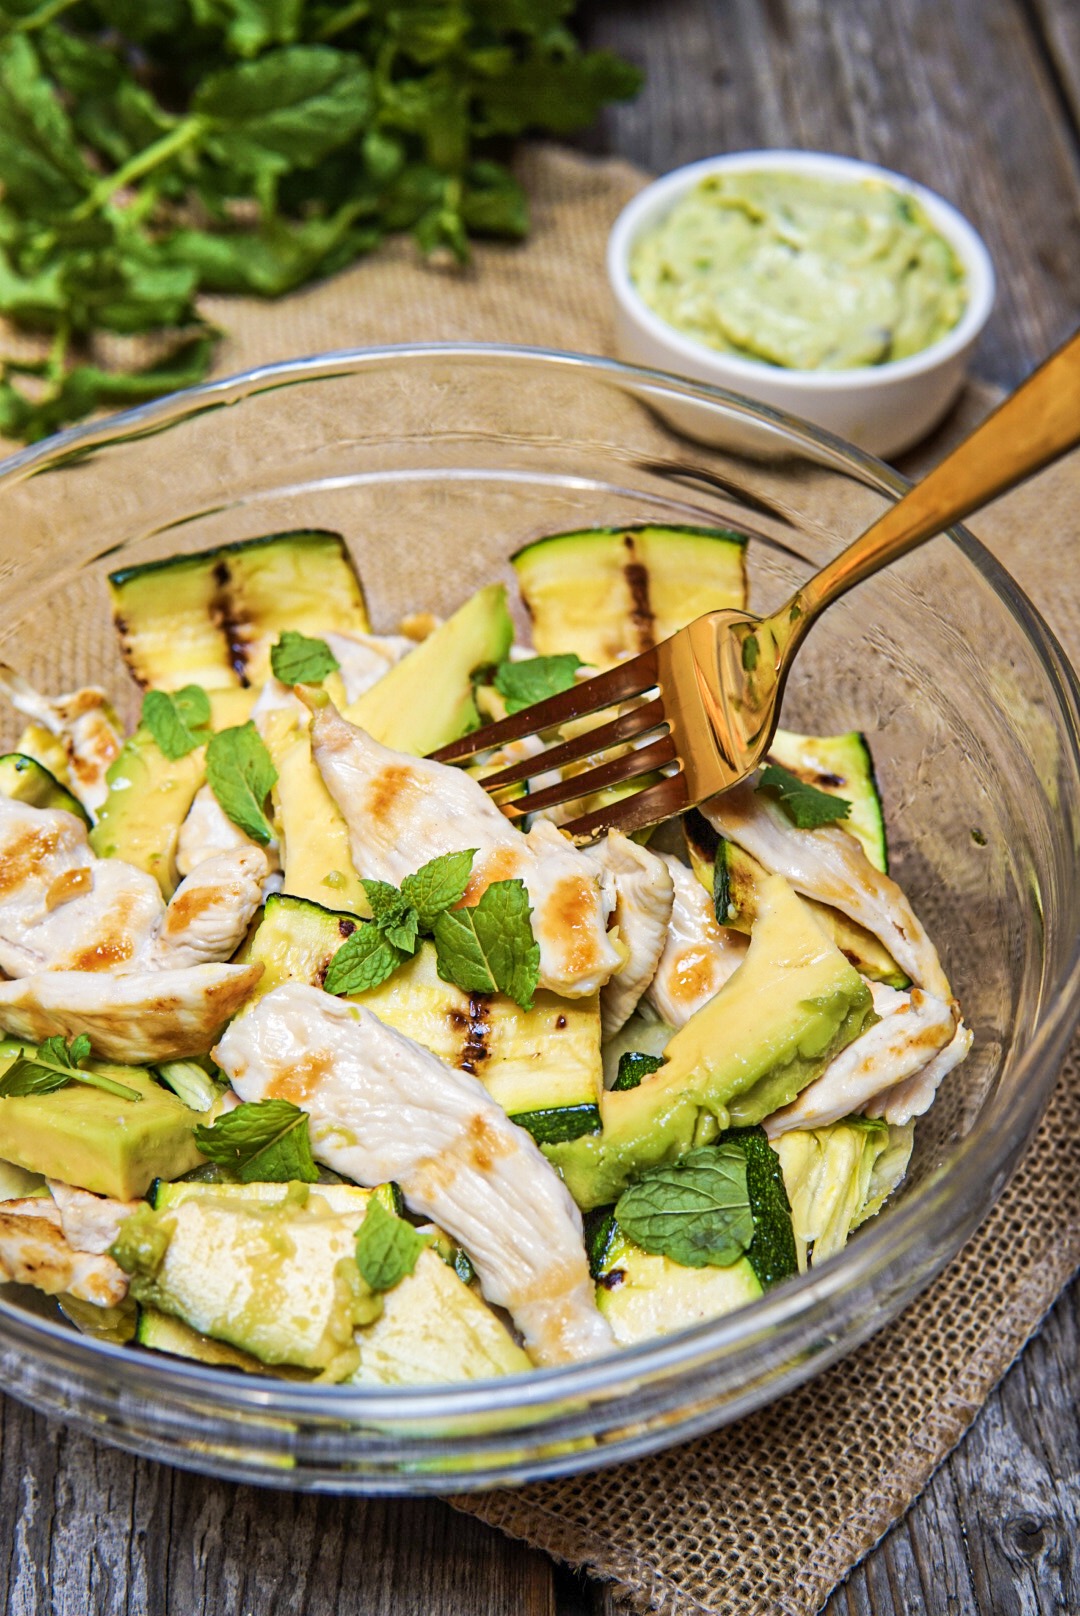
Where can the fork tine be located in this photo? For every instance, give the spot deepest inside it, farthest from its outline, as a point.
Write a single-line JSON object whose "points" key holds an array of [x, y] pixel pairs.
{"points": [[668, 796], [650, 715], [641, 761], [628, 679]]}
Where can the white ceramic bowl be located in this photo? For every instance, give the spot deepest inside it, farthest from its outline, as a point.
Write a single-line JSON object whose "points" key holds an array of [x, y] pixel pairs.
{"points": [[884, 408]]}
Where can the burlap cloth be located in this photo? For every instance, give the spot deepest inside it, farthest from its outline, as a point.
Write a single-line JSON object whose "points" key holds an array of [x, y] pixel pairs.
{"points": [[769, 1514]]}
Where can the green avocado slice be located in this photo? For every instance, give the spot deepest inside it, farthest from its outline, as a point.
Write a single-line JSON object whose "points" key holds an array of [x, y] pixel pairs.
{"points": [[792, 1005]]}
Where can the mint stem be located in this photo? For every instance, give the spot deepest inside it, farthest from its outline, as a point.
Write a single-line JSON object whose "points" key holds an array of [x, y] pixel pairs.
{"points": [[185, 134]]}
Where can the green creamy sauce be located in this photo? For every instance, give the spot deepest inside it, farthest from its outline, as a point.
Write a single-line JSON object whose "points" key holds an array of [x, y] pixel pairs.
{"points": [[802, 272]]}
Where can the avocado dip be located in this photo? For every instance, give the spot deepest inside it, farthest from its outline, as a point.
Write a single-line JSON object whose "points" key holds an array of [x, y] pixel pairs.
{"points": [[800, 271]]}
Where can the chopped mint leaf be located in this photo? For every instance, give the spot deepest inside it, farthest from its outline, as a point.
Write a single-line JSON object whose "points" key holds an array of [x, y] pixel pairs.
{"points": [[804, 805], [522, 683], [178, 720], [490, 948], [240, 772], [298, 660], [262, 1141], [695, 1211], [364, 959], [392, 914], [53, 1066], [438, 885], [387, 1248]]}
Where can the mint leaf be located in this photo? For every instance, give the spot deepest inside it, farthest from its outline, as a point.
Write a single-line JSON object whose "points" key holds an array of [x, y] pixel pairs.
{"points": [[364, 959], [490, 948], [804, 805], [241, 773], [387, 1248], [262, 1141], [298, 660], [438, 885], [393, 914], [695, 1211], [53, 1066], [522, 683], [179, 721], [291, 108]]}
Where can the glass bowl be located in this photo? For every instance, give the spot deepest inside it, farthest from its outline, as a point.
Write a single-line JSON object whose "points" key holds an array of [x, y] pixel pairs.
{"points": [[436, 463]]}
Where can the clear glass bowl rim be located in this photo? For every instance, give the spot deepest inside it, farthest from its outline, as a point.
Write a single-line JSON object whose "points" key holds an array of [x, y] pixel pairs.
{"points": [[949, 1207]]}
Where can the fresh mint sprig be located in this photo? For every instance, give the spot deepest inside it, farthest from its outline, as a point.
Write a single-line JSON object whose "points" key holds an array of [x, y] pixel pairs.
{"points": [[486, 948], [179, 720], [536, 678], [262, 1142], [387, 1248], [695, 1211], [297, 659], [55, 1064], [241, 773]]}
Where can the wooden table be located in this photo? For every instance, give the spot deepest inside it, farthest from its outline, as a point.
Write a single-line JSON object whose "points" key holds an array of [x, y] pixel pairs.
{"points": [[979, 99]]}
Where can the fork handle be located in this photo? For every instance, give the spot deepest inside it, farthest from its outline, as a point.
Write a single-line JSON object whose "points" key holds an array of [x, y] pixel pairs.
{"points": [[1036, 424]]}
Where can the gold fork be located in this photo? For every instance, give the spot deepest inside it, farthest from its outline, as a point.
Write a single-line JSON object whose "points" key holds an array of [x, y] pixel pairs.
{"points": [[713, 689]]}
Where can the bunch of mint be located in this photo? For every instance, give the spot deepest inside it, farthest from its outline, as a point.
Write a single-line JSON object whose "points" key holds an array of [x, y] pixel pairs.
{"points": [[153, 149]]}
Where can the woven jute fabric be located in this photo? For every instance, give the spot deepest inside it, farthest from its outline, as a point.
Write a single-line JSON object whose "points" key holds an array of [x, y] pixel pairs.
{"points": [[766, 1515]]}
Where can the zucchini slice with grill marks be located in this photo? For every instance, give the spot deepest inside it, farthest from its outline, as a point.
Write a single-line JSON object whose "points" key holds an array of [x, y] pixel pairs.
{"points": [[210, 619], [608, 593], [842, 766], [24, 779], [735, 878], [542, 1065]]}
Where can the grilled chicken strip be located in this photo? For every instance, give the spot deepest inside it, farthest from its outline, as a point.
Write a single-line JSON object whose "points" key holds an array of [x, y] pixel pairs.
{"points": [[209, 913], [913, 1028], [206, 831], [85, 724], [33, 1251], [382, 1107], [61, 907], [90, 1222], [402, 811], [699, 954], [903, 1101], [640, 891], [831, 866], [135, 1018]]}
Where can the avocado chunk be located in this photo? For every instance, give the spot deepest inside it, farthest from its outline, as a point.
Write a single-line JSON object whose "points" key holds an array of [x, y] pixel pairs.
{"points": [[83, 1136], [278, 1280], [149, 797], [793, 1004], [316, 860], [426, 700], [434, 1329]]}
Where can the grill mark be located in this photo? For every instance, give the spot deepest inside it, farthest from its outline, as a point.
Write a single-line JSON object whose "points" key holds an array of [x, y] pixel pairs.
{"points": [[224, 618], [642, 617], [476, 1050], [612, 1279], [345, 929]]}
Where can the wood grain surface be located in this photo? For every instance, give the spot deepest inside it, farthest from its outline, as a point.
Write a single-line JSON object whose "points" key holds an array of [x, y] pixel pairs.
{"points": [[980, 99]]}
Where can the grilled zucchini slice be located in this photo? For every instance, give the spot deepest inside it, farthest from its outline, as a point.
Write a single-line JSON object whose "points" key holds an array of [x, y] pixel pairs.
{"points": [[608, 593], [24, 779], [842, 766], [210, 619]]}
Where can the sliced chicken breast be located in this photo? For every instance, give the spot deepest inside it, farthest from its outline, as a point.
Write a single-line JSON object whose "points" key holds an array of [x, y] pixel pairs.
{"points": [[209, 913], [83, 721], [33, 1251], [903, 1101], [207, 831], [913, 1028], [90, 1222], [364, 658], [402, 811], [640, 891], [143, 1016], [699, 954], [382, 1107], [831, 866], [61, 907]]}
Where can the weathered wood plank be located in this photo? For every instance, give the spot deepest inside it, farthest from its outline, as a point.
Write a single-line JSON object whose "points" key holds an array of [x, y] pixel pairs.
{"points": [[95, 1532], [1058, 22], [959, 96]]}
